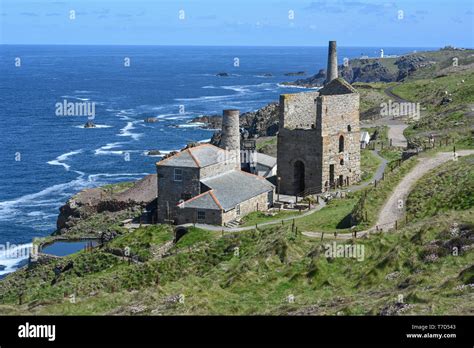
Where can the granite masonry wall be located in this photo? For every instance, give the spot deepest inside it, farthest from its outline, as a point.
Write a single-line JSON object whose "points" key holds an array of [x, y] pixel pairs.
{"points": [[308, 141], [170, 192]]}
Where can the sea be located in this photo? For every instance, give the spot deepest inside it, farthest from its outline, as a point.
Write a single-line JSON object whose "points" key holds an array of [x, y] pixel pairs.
{"points": [[46, 157]]}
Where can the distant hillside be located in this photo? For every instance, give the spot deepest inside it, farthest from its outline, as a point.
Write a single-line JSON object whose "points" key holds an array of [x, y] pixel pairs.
{"points": [[410, 66]]}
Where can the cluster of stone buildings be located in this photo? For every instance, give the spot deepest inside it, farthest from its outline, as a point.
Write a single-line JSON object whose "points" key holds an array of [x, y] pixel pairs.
{"points": [[318, 149]]}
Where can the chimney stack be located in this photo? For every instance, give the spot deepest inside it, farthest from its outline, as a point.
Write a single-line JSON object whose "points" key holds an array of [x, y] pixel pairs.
{"points": [[230, 140], [331, 73]]}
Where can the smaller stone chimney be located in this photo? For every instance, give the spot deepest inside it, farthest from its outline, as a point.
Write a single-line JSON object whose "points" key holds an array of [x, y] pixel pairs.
{"points": [[230, 140], [332, 62]]}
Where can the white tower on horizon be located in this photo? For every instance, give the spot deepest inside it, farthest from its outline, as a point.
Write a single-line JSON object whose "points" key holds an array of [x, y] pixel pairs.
{"points": [[381, 53]]}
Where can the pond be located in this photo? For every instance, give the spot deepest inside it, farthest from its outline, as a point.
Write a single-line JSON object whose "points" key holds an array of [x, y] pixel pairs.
{"points": [[64, 248]]}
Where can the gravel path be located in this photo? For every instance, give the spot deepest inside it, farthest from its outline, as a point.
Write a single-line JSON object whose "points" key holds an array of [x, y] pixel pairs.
{"points": [[396, 126], [394, 208], [395, 132], [391, 211]]}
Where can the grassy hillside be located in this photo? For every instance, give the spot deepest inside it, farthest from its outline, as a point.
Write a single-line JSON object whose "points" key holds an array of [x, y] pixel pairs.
{"points": [[448, 187], [213, 277], [453, 118]]}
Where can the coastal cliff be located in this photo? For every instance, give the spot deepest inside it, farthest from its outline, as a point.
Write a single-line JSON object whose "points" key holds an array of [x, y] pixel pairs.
{"points": [[110, 202], [390, 69]]}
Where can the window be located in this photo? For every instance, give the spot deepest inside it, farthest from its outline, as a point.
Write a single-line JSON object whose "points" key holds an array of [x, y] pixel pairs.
{"points": [[201, 215], [178, 174], [237, 209], [341, 143], [349, 128], [341, 162]]}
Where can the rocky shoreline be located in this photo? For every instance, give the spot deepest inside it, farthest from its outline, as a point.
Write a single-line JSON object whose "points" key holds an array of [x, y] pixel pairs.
{"points": [[390, 69]]}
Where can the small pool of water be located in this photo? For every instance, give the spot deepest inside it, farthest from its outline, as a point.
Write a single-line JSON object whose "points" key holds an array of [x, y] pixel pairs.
{"points": [[64, 248]]}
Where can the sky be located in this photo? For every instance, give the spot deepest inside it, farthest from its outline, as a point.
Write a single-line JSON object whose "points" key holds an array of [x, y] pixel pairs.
{"points": [[368, 23]]}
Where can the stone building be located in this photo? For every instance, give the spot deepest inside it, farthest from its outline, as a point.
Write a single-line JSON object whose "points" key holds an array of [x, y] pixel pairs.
{"points": [[318, 138], [205, 183]]}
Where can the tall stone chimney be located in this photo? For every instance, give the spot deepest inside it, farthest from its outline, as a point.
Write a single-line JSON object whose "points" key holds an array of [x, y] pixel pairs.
{"points": [[331, 73], [230, 140]]}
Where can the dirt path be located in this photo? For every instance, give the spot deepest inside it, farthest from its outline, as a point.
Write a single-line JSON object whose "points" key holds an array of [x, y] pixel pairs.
{"points": [[394, 210], [396, 126]]}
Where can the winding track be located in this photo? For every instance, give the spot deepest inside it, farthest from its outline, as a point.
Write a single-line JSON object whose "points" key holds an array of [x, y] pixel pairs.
{"points": [[391, 211]]}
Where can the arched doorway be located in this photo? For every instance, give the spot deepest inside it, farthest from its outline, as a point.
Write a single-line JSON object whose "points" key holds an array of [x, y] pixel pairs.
{"points": [[298, 177]]}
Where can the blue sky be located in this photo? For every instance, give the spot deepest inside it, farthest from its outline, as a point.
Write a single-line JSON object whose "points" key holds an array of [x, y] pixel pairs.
{"points": [[423, 23]]}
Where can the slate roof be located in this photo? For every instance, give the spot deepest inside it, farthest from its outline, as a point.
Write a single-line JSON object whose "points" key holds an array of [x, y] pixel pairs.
{"points": [[337, 86], [206, 200], [229, 189], [265, 160], [197, 157]]}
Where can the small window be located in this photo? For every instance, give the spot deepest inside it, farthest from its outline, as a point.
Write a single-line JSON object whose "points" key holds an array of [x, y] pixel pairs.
{"points": [[341, 161], [349, 128], [237, 209], [201, 215], [341, 143], [178, 174]]}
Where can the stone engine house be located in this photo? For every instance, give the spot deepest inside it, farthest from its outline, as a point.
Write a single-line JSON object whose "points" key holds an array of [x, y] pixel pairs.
{"points": [[318, 139]]}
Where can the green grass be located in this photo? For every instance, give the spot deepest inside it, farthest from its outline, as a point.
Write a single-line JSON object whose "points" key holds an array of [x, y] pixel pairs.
{"points": [[368, 164], [271, 264], [259, 217], [118, 187], [451, 120], [448, 187], [267, 142], [141, 240], [335, 216], [372, 198], [195, 236]]}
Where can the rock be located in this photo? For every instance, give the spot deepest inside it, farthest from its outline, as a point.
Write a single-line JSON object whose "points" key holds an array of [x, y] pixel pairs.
{"points": [[445, 101], [313, 81], [222, 74], [210, 122], [151, 120], [267, 75], [89, 124], [97, 200], [263, 122], [154, 153], [297, 73]]}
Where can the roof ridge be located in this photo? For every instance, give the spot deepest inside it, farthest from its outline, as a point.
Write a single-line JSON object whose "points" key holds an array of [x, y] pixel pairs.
{"points": [[179, 153], [215, 199], [195, 197], [194, 158]]}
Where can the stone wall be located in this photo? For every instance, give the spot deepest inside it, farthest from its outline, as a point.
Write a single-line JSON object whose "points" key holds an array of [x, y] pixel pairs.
{"points": [[340, 117], [170, 192], [189, 215], [218, 217], [259, 203], [299, 145], [310, 128], [298, 110]]}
